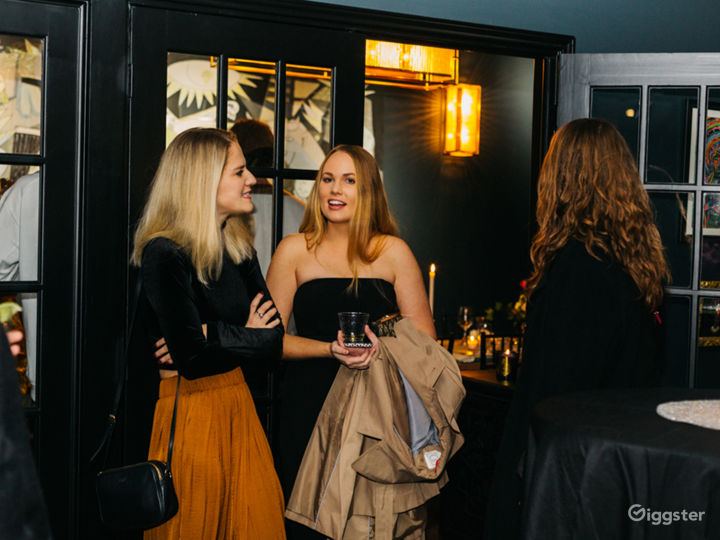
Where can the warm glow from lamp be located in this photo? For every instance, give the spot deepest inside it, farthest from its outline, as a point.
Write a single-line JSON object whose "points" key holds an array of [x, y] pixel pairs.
{"points": [[462, 120], [408, 66]]}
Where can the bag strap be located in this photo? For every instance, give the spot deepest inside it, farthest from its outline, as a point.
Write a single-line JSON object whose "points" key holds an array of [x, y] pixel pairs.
{"points": [[172, 426], [112, 417]]}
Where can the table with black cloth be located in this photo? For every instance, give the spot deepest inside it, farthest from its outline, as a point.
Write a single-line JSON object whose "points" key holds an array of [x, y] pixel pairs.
{"points": [[604, 464]]}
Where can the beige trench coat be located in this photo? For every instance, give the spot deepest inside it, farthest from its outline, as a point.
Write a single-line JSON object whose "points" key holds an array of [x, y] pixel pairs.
{"points": [[359, 477]]}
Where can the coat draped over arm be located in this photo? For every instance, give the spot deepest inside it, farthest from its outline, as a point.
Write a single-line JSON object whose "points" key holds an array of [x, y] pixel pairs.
{"points": [[381, 442]]}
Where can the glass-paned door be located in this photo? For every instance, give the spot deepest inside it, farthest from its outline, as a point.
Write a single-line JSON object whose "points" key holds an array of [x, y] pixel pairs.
{"points": [[667, 106], [289, 99], [288, 93], [39, 186], [21, 58]]}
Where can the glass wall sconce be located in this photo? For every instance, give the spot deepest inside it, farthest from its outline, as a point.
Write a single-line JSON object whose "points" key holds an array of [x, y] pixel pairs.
{"points": [[462, 120]]}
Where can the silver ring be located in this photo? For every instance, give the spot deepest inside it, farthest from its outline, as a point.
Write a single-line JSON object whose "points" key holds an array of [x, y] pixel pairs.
{"points": [[260, 314]]}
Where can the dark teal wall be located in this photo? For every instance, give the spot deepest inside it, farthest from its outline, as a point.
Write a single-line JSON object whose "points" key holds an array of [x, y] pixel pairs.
{"points": [[610, 26]]}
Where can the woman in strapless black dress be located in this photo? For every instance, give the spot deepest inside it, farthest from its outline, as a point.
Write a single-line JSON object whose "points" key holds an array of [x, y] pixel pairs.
{"points": [[346, 257]]}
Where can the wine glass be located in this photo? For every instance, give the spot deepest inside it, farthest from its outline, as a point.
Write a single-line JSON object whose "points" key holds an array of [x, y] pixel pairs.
{"points": [[465, 321]]}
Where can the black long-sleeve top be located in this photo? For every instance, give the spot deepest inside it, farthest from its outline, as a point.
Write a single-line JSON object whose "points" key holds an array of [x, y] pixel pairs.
{"points": [[175, 305], [587, 328]]}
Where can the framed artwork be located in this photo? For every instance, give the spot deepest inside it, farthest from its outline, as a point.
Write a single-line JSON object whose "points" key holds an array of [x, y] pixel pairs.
{"points": [[709, 323], [711, 176], [712, 148], [711, 214], [710, 217]]}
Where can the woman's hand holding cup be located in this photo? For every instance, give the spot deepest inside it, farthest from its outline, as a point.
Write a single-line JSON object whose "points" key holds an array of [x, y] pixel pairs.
{"points": [[354, 357]]}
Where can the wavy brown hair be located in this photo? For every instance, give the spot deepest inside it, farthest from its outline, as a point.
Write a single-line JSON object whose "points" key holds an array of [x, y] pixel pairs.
{"points": [[589, 189], [372, 215]]}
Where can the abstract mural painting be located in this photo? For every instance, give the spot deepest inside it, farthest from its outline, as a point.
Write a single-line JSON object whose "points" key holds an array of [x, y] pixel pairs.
{"points": [[21, 62], [252, 93]]}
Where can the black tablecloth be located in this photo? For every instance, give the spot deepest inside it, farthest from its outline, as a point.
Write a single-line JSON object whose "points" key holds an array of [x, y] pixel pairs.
{"points": [[604, 464]]}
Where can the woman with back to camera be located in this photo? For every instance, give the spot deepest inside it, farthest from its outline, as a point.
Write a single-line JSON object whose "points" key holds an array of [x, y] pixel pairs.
{"points": [[597, 283], [204, 294], [346, 257]]}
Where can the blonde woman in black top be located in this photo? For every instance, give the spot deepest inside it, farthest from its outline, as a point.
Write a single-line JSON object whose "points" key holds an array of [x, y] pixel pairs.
{"points": [[206, 300]]}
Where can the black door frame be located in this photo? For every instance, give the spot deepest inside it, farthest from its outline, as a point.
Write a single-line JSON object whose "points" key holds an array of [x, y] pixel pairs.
{"points": [[153, 37], [52, 420]]}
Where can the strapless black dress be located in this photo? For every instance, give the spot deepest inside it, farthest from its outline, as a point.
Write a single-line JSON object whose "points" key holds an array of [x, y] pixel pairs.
{"points": [[306, 383]]}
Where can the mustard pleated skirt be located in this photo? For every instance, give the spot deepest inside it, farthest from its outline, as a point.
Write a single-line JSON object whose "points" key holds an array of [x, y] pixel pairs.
{"points": [[222, 467]]}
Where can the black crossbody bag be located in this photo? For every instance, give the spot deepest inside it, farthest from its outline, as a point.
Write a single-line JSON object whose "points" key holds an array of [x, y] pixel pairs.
{"points": [[142, 495]]}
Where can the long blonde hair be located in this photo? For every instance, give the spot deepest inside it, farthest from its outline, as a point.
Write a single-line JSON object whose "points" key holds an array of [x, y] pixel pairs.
{"points": [[182, 204], [372, 215], [589, 189]]}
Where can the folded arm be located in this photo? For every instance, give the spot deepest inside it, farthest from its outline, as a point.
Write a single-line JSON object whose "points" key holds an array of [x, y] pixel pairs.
{"points": [[167, 281]]}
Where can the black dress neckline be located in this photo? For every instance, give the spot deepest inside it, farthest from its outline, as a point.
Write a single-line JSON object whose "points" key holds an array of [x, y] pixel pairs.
{"points": [[342, 278]]}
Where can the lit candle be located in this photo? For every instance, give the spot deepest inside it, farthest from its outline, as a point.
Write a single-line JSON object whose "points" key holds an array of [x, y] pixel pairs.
{"points": [[431, 289], [472, 340], [506, 367]]}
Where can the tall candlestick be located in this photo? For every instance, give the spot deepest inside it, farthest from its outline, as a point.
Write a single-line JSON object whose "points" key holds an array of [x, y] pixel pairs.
{"points": [[431, 289]]}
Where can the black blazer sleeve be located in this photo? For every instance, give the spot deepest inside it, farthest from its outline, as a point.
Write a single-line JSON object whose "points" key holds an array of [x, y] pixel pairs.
{"points": [[167, 281], [253, 343]]}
